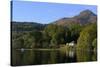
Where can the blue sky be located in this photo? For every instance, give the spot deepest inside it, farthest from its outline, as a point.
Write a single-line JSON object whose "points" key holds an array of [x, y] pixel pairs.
{"points": [[42, 12]]}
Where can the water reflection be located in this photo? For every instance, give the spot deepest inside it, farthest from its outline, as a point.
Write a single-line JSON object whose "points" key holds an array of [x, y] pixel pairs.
{"points": [[83, 56], [70, 53], [34, 57]]}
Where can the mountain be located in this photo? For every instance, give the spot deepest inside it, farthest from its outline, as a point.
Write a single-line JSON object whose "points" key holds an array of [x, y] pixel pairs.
{"points": [[82, 18], [26, 26]]}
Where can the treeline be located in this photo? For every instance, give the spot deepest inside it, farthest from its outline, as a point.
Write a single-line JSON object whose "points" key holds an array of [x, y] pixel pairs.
{"points": [[52, 36], [26, 26]]}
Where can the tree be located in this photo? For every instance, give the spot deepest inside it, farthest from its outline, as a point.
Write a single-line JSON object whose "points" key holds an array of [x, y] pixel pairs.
{"points": [[33, 39], [56, 33], [74, 31], [87, 35], [37, 38], [18, 43], [45, 40], [94, 44], [51, 29]]}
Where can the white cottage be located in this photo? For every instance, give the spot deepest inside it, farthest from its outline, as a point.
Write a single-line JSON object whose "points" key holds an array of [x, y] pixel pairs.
{"points": [[70, 44]]}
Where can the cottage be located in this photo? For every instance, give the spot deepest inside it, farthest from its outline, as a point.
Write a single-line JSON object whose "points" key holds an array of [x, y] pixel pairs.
{"points": [[70, 44]]}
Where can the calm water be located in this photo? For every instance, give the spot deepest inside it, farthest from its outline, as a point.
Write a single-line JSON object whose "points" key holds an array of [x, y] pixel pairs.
{"points": [[37, 57]]}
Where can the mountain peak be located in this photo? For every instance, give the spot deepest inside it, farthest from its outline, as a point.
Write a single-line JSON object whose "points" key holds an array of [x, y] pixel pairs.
{"points": [[84, 17], [87, 12]]}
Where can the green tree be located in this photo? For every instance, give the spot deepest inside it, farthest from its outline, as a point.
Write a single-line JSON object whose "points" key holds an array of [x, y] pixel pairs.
{"points": [[18, 43], [74, 31], [87, 36], [33, 39], [56, 33], [45, 40], [94, 44], [51, 29]]}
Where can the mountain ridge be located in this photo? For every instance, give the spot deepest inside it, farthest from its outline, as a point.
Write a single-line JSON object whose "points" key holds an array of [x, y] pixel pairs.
{"points": [[82, 18]]}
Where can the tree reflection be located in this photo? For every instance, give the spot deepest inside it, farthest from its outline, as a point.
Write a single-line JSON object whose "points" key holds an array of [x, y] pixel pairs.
{"points": [[83, 55]]}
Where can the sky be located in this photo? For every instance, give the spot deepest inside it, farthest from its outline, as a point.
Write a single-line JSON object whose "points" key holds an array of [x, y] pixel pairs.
{"points": [[43, 12]]}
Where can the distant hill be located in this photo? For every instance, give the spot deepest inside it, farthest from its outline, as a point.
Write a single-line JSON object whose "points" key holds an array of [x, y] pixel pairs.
{"points": [[84, 17], [26, 26]]}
